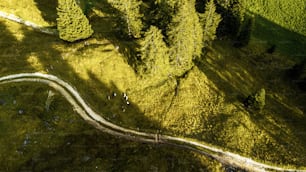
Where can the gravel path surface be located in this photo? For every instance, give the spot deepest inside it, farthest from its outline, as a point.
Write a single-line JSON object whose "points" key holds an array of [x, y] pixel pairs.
{"points": [[97, 120]]}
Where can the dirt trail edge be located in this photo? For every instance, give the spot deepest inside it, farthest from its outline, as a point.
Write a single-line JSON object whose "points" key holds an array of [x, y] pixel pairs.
{"points": [[34, 26], [96, 120]]}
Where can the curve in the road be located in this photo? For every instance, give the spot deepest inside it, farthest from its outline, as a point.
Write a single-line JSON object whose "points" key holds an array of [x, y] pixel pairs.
{"points": [[100, 123], [96, 120]]}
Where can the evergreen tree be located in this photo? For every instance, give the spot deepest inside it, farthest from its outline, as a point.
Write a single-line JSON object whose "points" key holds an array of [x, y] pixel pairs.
{"points": [[185, 37], [72, 24], [160, 13], [130, 10], [170, 3], [154, 54], [232, 12], [210, 21], [85, 5]]}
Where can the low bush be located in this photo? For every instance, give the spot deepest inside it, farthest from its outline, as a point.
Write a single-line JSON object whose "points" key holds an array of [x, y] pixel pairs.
{"points": [[256, 101]]}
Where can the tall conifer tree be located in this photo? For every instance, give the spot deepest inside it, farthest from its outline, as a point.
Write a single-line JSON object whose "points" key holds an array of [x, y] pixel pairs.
{"points": [[131, 15], [72, 24], [232, 12], [185, 37], [154, 53], [210, 21]]}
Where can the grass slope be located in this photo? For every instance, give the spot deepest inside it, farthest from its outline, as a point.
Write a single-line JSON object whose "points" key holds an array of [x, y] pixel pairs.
{"points": [[266, 34], [34, 139], [289, 14], [98, 70], [37, 11]]}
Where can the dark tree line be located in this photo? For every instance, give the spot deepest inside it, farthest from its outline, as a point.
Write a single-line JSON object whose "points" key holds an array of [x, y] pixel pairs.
{"points": [[171, 33]]}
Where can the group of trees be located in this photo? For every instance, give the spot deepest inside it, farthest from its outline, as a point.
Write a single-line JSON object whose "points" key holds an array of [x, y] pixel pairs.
{"points": [[180, 33], [171, 33], [184, 37]]}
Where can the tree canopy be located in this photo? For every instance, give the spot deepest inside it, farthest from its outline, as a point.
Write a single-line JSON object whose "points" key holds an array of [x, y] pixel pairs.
{"points": [[154, 54], [131, 16], [210, 21], [170, 44], [185, 37], [72, 24]]}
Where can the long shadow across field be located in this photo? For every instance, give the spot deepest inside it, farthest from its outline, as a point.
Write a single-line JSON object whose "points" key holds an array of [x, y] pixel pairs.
{"points": [[48, 10], [237, 84], [276, 112], [41, 48], [88, 150], [11, 54], [285, 41], [96, 151], [113, 27]]}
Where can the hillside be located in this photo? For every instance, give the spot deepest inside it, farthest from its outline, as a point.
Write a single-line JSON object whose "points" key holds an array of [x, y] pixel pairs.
{"points": [[288, 14], [206, 103], [280, 23]]}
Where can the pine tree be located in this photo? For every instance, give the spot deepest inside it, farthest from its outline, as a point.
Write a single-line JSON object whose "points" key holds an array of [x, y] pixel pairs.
{"points": [[85, 5], [131, 16], [154, 54], [72, 24], [170, 3], [185, 37], [159, 13], [210, 21], [232, 12]]}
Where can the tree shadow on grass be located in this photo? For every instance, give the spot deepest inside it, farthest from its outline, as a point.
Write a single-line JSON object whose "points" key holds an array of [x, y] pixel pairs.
{"points": [[48, 10], [12, 58], [51, 60], [230, 24], [215, 129], [97, 151], [110, 26], [87, 150], [285, 41], [236, 85], [291, 115], [287, 132], [283, 119], [113, 27], [120, 110], [83, 148], [80, 150]]}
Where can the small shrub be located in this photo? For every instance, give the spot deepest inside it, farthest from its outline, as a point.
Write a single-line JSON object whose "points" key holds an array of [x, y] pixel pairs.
{"points": [[257, 100]]}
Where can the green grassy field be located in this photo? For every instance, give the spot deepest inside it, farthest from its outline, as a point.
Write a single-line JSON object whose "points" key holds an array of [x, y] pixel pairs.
{"points": [[266, 34], [205, 105], [289, 14], [280, 24], [34, 139]]}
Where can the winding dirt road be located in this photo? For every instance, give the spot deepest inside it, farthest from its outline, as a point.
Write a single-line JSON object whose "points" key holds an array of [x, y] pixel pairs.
{"points": [[96, 120]]}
